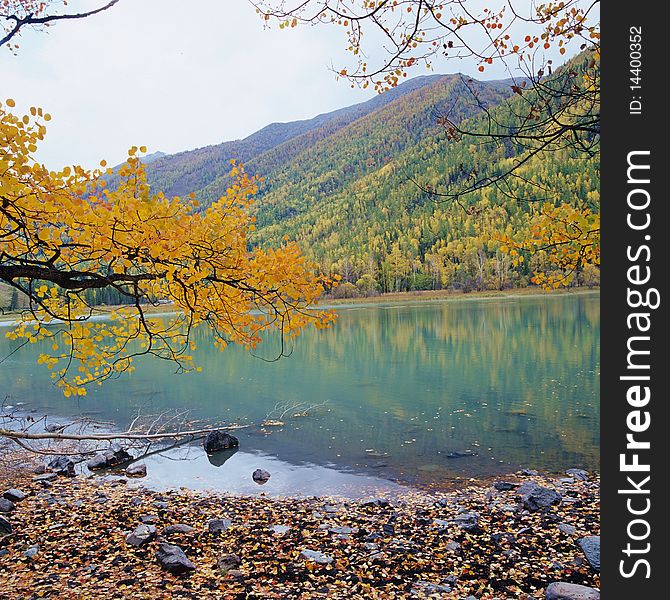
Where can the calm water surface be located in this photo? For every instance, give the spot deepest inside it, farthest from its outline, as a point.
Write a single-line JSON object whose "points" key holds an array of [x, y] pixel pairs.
{"points": [[412, 393]]}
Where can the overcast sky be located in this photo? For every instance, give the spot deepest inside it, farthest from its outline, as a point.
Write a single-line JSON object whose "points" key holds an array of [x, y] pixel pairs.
{"points": [[173, 76]]}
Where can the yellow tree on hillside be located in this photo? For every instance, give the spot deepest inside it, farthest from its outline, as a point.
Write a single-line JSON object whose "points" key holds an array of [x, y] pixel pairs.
{"points": [[551, 110]]}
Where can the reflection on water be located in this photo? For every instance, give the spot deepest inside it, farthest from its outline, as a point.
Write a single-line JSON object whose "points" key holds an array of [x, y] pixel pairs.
{"points": [[417, 393]]}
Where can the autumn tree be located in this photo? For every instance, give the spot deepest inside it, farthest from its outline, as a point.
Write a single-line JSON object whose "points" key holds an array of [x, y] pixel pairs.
{"points": [[550, 110], [18, 15], [63, 233]]}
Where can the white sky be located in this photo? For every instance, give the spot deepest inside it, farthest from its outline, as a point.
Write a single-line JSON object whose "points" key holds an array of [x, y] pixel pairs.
{"points": [[173, 75]]}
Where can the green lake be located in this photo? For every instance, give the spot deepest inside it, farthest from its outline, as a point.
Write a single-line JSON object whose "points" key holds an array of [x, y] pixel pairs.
{"points": [[413, 393]]}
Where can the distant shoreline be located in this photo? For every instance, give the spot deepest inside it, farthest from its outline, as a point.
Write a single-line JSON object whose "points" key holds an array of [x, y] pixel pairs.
{"points": [[390, 297], [432, 295]]}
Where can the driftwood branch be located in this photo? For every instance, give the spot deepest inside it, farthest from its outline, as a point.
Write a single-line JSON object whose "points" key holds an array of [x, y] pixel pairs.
{"points": [[21, 435]]}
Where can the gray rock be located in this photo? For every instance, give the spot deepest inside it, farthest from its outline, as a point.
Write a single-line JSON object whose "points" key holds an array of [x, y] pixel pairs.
{"points": [[591, 548], [316, 556], [142, 535], [219, 440], [426, 587], [112, 457], [173, 559], [218, 525], [228, 562], [579, 474], [3, 552], [342, 530], [136, 470], [14, 495], [571, 591], [177, 528], [280, 529], [529, 472], [453, 546], [504, 486], [567, 529], [6, 506], [371, 546], [61, 465], [534, 497], [5, 527], [468, 521], [32, 551], [54, 427], [148, 519], [260, 476], [45, 477], [161, 504], [376, 502]]}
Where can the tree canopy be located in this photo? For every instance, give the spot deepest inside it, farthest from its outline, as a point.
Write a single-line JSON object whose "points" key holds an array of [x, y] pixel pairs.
{"points": [[63, 233]]}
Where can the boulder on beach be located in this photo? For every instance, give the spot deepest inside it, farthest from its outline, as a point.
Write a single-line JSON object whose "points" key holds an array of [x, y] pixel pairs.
{"points": [[535, 497], [591, 547], [219, 440], [571, 591], [218, 525], [173, 559], [142, 535], [14, 495]]}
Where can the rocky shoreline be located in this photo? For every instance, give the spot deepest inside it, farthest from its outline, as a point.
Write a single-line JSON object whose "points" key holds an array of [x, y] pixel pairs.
{"points": [[528, 536]]}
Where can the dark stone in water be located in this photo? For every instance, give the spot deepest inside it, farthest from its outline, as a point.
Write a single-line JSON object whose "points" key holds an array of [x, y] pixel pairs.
{"points": [[173, 559], [457, 454], [219, 440], [112, 457], [260, 476], [219, 458], [137, 470], [54, 427], [14, 495]]}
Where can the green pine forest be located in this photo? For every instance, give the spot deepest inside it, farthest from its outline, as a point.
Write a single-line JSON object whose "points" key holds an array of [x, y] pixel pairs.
{"points": [[350, 188]]}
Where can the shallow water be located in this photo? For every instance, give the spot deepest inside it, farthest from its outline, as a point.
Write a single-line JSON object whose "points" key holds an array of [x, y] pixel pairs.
{"points": [[416, 393]]}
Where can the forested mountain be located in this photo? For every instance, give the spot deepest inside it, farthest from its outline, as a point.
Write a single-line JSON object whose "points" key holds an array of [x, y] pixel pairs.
{"points": [[350, 187]]}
